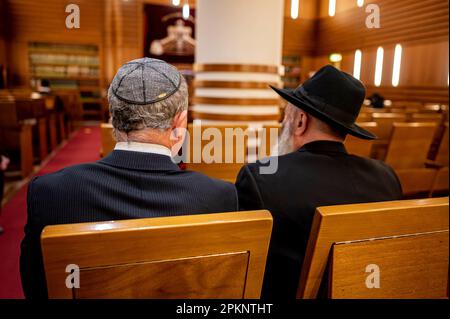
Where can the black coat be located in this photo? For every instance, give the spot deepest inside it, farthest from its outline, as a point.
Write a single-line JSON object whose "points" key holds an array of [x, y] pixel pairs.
{"points": [[319, 174], [123, 185]]}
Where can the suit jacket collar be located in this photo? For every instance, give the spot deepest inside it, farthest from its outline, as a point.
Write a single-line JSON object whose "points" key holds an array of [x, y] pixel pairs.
{"points": [[324, 146], [140, 161]]}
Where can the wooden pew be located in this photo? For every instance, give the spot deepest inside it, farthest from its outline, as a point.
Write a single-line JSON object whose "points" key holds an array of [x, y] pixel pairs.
{"points": [[34, 111], [108, 142], [440, 183], [16, 137], [407, 154], [385, 123], [426, 117], [358, 146], [225, 168], [409, 144], [200, 256], [407, 240]]}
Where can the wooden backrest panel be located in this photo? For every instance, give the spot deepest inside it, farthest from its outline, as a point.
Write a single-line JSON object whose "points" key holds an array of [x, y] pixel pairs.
{"points": [[108, 142], [385, 123], [233, 149], [333, 224], [198, 256], [359, 146], [416, 180], [412, 266], [427, 117], [440, 183], [409, 145], [8, 113]]}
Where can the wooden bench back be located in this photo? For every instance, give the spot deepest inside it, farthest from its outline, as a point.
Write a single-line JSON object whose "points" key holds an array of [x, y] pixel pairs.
{"points": [[358, 146], [108, 141], [226, 167], [198, 256], [356, 222], [385, 123], [411, 266], [409, 145]]}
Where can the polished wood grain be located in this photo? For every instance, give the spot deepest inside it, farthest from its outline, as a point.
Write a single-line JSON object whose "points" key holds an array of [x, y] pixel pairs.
{"points": [[213, 276], [425, 117], [440, 183], [107, 140], [409, 145], [342, 223], [252, 68], [416, 181], [358, 146], [231, 143], [410, 267], [235, 101], [385, 123], [237, 243]]}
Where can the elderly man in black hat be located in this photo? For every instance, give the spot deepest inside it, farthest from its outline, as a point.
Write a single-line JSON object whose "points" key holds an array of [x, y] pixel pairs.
{"points": [[314, 170], [148, 101]]}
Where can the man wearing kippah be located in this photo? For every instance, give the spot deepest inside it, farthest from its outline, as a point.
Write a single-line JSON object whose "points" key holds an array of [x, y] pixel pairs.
{"points": [[148, 101]]}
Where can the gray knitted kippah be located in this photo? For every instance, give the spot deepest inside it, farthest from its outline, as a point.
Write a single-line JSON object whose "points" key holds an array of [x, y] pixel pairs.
{"points": [[145, 81]]}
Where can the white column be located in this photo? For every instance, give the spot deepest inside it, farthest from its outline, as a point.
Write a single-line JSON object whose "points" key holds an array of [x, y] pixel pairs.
{"points": [[238, 53]]}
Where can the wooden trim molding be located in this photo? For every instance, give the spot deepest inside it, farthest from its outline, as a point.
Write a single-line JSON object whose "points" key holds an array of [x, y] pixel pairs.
{"points": [[233, 117], [251, 68], [235, 101], [233, 84]]}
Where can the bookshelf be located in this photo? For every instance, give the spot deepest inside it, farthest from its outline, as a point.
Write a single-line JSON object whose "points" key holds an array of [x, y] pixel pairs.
{"points": [[69, 67], [292, 71]]}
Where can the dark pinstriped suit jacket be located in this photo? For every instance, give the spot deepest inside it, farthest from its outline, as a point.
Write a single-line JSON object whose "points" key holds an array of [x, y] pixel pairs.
{"points": [[123, 185]]}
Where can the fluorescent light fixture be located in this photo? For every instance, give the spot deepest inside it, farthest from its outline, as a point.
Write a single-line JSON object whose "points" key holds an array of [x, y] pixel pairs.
{"points": [[335, 57], [360, 3], [397, 65], [357, 64], [186, 11], [379, 66], [176, 2], [294, 9], [331, 8]]}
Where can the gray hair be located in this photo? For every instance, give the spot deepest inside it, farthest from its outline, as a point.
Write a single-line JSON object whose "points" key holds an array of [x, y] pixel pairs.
{"points": [[127, 117]]}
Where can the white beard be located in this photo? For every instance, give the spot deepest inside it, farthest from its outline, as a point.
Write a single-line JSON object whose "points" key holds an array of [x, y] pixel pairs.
{"points": [[285, 142]]}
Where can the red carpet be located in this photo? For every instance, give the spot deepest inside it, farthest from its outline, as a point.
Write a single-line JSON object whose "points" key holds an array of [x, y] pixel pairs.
{"points": [[83, 147]]}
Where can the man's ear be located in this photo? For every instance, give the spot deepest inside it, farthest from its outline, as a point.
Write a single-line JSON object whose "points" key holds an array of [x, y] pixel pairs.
{"points": [[301, 124], [179, 126], [180, 120]]}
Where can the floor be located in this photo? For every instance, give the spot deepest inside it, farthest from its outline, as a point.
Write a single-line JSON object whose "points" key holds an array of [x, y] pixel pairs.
{"points": [[82, 147]]}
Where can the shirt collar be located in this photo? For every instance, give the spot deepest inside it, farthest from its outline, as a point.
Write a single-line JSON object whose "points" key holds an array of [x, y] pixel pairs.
{"points": [[324, 146], [143, 148]]}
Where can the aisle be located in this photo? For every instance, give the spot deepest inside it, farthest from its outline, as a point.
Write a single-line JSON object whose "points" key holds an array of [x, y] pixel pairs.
{"points": [[83, 147]]}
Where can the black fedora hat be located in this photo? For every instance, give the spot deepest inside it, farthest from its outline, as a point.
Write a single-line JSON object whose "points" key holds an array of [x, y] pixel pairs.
{"points": [[332, 96]]}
